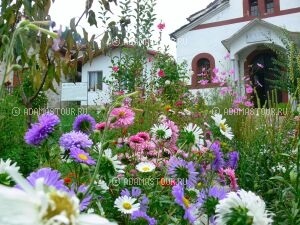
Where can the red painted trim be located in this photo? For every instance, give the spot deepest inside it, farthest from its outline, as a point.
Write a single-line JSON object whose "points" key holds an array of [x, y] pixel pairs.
{"points": [[195, 84], [244, 19]]}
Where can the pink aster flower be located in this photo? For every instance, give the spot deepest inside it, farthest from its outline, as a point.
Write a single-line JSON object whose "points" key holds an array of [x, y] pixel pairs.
{"points": [[227, 56], [248, 104], [115, 69], [249, 89], [121, 117], [203, 82], [136, 143], [231, 175], [216, 71], [161, 26], [161, 73], [100, 126], [231, 72]]}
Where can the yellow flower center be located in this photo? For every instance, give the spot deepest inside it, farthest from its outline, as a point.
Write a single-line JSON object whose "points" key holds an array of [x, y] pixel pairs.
{"points": [[186, 202], [146, 168], [82, 157], [223, 127], [127, 205], [60, 203]]}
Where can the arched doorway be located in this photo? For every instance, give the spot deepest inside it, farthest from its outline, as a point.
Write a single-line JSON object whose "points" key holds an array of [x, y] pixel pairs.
{"points": [[259, 69]]}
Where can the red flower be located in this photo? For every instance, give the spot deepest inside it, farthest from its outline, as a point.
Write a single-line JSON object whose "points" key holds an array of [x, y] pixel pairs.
{"points": [[161, 26], [115, 69], [161, 73]]}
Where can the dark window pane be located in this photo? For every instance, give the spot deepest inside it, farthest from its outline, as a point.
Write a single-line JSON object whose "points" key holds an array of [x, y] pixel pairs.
{"points": [[99, 80], [254, 8], [269, 6]]}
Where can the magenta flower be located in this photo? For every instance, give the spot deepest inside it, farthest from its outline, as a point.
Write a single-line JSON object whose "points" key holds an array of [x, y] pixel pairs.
{"points": [[100, 126], [248, 104], [161, 73], [216, 71], [115, 69], [249, 89], [121, 117], [227, 56], [161, 26], [203, 82], [81, 156]]}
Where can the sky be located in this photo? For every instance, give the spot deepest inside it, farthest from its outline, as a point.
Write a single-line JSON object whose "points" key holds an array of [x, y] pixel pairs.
{"points": [[172, 12]]}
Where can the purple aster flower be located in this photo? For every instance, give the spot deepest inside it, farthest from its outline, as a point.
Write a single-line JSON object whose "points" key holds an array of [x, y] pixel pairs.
{"points": [[217, 192], [85, 202], [180, 199], [233, 158], [144, 201], [183, 170], [81, 156], [41, 130], [75, 139], [125, 192], [84, 123], [51, 178], [143, 215], [136, 192], [49, 119], [218, 162]]}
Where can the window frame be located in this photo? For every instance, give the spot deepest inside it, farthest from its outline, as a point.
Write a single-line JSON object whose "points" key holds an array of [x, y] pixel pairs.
{"points": [[195, 69], [262, 9], [98, 83]]}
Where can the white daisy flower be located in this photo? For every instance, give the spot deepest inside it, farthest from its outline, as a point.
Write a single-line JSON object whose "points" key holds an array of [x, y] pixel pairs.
{"points": [[161, 131], [245, 203], [102, 185], [187, 112], [224, 128], [145, 167], [126, 204], [38, 206], [5, 165], [193, 134], [118, 166]]}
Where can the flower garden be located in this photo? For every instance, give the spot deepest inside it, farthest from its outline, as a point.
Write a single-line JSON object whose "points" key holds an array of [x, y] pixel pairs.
{"points": [[155, 155]]}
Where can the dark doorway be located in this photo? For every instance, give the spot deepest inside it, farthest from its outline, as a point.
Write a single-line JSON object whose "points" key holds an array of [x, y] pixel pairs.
{"points": [[261, 74]]}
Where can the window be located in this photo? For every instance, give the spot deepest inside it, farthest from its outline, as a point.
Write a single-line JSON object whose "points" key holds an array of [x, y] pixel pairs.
{"points": [[95, 80], [269, 6], [254, 11], [202, 66]]}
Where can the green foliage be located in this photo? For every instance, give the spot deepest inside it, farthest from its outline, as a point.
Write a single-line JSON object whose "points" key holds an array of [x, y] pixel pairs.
{"points": [[13, 128], [287, 67]]}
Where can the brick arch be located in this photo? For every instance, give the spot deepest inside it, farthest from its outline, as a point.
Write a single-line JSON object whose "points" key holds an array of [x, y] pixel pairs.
{"points": [[195, 60]]}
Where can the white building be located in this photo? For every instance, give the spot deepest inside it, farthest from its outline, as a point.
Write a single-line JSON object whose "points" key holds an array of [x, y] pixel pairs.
{"points": [[242, 28], [100, 69]]}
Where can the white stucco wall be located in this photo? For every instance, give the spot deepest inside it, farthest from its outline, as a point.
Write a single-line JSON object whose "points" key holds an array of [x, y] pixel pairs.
{"points": [[235, 10], [209, 40], [289, 4], [102, 63]]}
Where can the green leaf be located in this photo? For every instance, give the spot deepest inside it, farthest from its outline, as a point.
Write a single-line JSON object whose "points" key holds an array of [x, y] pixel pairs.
{"points": [[92, 18], [72, 24]]}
